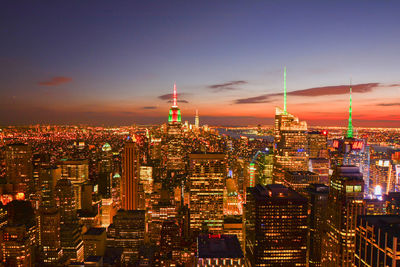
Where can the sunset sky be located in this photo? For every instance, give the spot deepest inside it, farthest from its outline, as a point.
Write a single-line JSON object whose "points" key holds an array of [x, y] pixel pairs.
{"points": [[115, 62]]}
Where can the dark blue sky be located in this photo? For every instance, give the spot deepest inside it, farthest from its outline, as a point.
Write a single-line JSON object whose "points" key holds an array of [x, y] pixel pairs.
{"points": [[115, 59]]}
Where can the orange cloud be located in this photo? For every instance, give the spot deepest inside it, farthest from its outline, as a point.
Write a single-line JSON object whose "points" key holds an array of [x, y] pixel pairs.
{"points": [[55, 81]]}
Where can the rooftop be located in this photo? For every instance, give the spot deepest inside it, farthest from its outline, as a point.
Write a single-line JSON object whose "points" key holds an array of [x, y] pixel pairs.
{"points": [[95, 231], [219, 246], [276, 192]]}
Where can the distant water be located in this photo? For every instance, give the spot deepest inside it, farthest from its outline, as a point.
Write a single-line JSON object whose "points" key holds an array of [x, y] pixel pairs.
{"points": [[250, 133]]}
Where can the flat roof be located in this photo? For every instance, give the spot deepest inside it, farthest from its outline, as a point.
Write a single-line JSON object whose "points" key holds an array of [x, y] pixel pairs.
{"points": [[276, 192], [218, 246], [95, 231]]}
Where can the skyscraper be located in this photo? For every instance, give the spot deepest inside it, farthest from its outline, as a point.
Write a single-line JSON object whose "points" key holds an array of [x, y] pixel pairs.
{"points": [[345, 203], [196, 119], [130, 181], [206, 184], [77, 171], [70, 230], [127, 232], [174, 150], [276, 226], [317, 195], [352, 151], [290, 142], [19, 167]]}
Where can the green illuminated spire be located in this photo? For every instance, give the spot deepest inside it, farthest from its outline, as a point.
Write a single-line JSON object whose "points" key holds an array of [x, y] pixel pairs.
{"points": [[350, 126], [284, 90]]}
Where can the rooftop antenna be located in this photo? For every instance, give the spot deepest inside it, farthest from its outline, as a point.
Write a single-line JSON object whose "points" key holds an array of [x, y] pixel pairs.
{"points": [[350, 125]]}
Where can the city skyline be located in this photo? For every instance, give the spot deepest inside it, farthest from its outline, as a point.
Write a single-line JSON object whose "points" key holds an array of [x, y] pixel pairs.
{"points": [[116, 64]]}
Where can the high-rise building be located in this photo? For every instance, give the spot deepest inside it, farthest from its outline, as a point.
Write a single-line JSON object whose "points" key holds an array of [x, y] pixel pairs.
{"points": [[19, 167], [345, 203], [127, 233], [392, 203], [290, 142], [174, 143], [19, 235], [233, 225], [105, 171], [320, 166], [317, 195], [162, 209], [382, 178], [70, 230], [300, 180], [16, 247], [170, 242], [130, 179], [377, 241], [206, 184], [77, 171], [95, 241], [49, 234], [352, 151], [196, 119], [48, 179], [318, 144], [276, 226]]}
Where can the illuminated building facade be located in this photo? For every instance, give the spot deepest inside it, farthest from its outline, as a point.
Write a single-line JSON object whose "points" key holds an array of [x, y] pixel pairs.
{"points": [[290, 142], [196, 119], [127, 232], [18, 158], [70, 230], [48, 179], [94, 241], [77, 171], [105, 171], [290, 152], [276, 227], [16, 246], [382, 177], [318, 199], [219, 250], [170, 242], [49, 234], [233, 225], [377, 241], [206, 184], [318, 144], [392, 203], [299, 180], [345, 203], [174, 143], [320, 166], [374, 206], [130, 179]]}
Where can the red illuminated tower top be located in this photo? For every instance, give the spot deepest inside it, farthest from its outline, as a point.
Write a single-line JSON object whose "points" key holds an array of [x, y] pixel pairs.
{"points": [[174, 112]]}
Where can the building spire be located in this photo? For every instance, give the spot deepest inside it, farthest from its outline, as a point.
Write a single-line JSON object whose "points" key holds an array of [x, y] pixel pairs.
{"points": [[284, 90], [350, 126], [175, 97]]}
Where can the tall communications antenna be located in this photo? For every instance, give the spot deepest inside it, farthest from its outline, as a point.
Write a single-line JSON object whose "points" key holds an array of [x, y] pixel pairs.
{"points": [[350, 126], [175, 96]]}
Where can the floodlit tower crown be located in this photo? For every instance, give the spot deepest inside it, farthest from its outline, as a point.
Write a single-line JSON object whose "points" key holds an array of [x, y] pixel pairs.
{"points": [[174, 112]]}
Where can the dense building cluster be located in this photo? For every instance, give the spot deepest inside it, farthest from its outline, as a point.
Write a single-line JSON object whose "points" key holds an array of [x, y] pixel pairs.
{"points": [[184, 194]]}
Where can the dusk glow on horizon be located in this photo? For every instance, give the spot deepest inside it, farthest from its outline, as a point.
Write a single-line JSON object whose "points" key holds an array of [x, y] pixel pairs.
{"points": [[94, 62]]}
